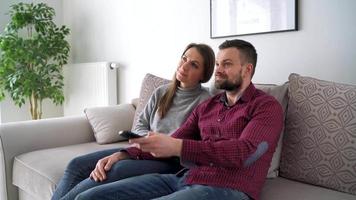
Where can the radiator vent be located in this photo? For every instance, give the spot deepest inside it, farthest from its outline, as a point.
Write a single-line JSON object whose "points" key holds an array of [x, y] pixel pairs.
{"points": [[89, 85]]}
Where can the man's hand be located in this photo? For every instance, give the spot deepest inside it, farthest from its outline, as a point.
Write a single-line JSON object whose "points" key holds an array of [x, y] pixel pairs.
{"points": [[159, 145], [104, 165]]}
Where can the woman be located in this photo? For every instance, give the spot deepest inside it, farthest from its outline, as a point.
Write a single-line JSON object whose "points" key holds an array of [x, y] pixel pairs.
{"points": [[166, 110]]}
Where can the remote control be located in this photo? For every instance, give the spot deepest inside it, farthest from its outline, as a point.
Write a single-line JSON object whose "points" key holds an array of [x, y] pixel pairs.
{"points": [[129, 134]]}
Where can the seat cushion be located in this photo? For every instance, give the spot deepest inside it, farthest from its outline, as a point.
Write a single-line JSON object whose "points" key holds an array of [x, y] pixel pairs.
{"points": [[38, 172], [282, 189]]}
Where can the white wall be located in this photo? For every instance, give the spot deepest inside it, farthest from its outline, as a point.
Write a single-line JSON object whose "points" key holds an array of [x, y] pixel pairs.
{"points": [[8, 111], [149, 35]]}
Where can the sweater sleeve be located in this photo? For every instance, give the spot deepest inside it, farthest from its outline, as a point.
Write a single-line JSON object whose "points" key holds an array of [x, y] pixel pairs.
{"points": [[142, 126], [143, 122]]}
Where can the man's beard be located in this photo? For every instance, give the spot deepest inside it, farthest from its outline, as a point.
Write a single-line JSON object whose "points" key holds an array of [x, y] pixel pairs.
{"points": [[229, 85]]}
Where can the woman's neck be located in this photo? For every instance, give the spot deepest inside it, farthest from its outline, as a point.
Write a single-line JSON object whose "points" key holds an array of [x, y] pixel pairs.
{"points": [[188, 87]]}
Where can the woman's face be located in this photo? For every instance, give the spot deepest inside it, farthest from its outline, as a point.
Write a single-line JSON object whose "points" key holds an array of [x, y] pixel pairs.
{"points": [[190, 69]]}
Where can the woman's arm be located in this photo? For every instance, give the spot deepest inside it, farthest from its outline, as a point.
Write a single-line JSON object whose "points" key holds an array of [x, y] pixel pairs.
{"points": [[142, 125]]}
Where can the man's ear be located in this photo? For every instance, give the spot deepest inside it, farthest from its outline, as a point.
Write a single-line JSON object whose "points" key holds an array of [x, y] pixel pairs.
{"points": [[249, 69]]}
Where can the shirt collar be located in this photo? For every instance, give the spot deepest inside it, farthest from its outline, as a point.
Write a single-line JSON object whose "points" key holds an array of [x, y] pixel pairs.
{"points": [[245, 97]]}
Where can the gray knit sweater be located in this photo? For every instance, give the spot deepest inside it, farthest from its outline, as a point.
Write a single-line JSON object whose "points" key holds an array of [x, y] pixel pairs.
{"points": [[184, 101]]}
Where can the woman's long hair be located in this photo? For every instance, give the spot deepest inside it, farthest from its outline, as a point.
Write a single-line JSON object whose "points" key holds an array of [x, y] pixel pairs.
{"points": [[209, 61]]}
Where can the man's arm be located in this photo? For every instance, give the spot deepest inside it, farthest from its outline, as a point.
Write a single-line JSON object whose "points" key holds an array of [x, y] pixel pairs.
{"points": [[161, 145], [260, 135]]}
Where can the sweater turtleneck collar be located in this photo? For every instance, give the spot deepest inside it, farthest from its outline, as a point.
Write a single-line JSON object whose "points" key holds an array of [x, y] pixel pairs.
{"points": [[189, 91]]}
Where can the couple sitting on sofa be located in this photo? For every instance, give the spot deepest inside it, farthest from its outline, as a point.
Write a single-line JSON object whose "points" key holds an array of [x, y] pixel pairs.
{"points": [[224, 144]]}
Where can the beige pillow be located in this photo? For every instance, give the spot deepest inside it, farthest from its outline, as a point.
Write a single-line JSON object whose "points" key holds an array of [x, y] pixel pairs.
{"points": [[319, 145], [149, 84], [107, 121], [280, 93]]}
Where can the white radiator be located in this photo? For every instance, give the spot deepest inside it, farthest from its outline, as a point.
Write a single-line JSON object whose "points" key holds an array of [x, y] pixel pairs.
{"points": [[89, 85]]}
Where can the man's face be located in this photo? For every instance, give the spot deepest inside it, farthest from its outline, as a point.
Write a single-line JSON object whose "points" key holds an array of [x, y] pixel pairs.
{"points": [[230, 70]]}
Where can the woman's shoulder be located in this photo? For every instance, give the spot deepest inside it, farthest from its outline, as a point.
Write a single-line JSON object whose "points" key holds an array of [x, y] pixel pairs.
{"points": [[160, 90], [205, 92]]}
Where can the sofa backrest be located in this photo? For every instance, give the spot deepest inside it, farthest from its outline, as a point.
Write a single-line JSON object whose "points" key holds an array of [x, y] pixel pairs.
{"points": [[151, 82]]}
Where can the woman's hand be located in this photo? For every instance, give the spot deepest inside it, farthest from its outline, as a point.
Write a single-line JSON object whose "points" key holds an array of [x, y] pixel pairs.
{"points": [[159, 145], [104, 165]]}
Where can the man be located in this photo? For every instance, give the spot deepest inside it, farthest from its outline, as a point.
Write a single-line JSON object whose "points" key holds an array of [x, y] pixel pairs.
{"points": [[226, 144]]}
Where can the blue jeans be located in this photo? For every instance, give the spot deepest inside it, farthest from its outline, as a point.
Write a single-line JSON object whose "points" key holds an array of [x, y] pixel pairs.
{"points": [[159, 187], [76, 176]]}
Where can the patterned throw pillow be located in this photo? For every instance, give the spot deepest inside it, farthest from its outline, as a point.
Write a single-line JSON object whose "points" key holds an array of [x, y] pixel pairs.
{"points": [[149, 84], [319, 145]]}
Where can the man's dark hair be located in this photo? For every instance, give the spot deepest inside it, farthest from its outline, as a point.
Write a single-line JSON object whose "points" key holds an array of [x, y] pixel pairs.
{"points": [[247, 50]]}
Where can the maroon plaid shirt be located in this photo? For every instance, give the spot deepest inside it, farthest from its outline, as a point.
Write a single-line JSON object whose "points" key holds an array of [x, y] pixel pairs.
{"points": [[230, 146], [224, 143]]}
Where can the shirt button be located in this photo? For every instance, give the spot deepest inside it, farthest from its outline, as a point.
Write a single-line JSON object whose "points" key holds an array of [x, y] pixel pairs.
{"points": [[211, 164], [219, 120]]}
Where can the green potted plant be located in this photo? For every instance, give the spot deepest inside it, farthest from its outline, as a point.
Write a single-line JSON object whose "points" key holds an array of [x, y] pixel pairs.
{"points": [[33, 51]]}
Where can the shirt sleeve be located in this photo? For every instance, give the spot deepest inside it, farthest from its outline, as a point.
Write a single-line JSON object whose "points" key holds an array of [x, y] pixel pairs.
{"points": [[263, 128], [138, 154]]}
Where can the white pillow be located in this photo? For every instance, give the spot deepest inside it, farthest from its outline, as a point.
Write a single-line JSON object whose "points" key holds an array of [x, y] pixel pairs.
{"points": [[107, 121]]}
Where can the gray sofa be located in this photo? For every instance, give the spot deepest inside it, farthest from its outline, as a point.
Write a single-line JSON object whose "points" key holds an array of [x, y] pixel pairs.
{"points": [[316, 157]]}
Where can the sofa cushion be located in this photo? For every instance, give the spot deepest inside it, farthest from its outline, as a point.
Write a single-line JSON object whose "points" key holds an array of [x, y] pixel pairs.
{"points": [[107, 121], [149, 84], [282, 189], [319, 146], [280, 93], [38, 172]]}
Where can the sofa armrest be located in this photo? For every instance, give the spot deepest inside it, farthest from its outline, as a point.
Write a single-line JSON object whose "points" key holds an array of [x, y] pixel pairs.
{"points": [[17, 138], [26, 136], [20, 137]]}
